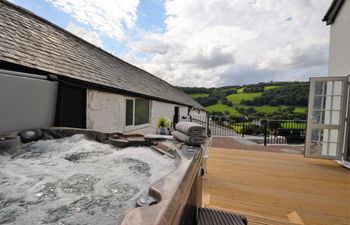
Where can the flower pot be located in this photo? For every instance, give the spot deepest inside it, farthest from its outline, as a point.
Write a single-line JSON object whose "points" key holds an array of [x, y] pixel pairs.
{"points": [[162, 131]]}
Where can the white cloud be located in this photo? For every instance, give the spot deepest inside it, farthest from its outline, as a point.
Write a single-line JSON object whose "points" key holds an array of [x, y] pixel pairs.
{"points": [[221, 42], [89, 36], [214, 42], [150, 43], [293, 56], [110, 17]]}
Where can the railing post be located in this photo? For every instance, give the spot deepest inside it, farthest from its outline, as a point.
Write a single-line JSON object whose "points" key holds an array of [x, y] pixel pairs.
{"points": [[243, 127], [265, 132], [208, 124]]}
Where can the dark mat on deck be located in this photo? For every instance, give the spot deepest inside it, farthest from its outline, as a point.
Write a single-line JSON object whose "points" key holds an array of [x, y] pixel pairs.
{"points": [[216, 217]]}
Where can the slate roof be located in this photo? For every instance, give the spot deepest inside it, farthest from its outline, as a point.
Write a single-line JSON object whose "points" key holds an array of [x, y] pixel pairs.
{"points": [[31, 41], [332, 11]]}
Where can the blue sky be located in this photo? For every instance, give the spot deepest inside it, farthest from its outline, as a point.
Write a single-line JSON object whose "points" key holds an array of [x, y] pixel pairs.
{"points": [[150, 16], [202, 42]]}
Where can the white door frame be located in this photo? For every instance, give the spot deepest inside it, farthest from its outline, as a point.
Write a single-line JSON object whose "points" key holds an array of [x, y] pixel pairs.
{"points": [[347, 129], [321, 126]]}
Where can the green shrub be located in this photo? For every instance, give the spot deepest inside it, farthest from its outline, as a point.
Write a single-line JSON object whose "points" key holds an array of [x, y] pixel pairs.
{"points": [[163, 122]]}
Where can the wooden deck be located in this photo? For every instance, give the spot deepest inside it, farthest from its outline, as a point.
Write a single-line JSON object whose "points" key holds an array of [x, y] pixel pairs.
{"points": [[277, 188]]}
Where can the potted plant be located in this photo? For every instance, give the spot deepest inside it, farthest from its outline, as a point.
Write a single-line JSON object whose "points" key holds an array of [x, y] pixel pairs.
{"points": [[163, 126]]}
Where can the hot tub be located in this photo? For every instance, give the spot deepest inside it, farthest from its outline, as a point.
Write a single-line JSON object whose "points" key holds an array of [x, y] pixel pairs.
{"points": [[76, 176]]}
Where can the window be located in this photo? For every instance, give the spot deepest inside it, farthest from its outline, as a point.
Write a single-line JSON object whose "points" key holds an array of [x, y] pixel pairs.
{"points": [[129, 116], [137, 111]]}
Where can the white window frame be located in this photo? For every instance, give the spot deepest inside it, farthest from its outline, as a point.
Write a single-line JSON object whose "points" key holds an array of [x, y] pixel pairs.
{"points": [[133, 126], [340, 127], [345, 158]]}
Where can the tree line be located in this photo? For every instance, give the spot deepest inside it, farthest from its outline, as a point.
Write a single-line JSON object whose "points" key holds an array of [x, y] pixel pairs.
{"points": [[287, 93], [291, 95]]}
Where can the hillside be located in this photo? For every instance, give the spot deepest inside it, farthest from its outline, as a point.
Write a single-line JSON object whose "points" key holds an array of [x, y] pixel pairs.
{"points": [[273, 99]]}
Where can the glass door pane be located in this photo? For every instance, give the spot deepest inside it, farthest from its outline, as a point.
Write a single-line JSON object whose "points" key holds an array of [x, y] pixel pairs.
{"points": [[324, 138]]}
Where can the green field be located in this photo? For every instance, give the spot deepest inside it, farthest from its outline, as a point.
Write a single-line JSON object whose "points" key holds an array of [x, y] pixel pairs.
{"points": [[300, 109], [270, 87], [199, 95], [294, 125], [223, 108], [237, 98], [240, 90], [267, 109]]}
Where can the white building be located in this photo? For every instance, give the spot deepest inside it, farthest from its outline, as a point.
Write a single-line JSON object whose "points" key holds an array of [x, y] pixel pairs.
{"points": [[50, 77], [328, 133]]}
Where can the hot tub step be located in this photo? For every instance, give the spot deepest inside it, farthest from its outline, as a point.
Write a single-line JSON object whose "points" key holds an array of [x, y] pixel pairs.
{"points": [[216, 217]]}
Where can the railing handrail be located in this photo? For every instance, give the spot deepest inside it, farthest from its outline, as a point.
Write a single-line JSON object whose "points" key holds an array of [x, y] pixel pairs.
{"points": [[292, 130]]}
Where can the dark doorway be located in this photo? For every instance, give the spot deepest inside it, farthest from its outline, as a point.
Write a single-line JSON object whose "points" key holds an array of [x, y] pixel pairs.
{"points": [[176, 116], [71, 106]]}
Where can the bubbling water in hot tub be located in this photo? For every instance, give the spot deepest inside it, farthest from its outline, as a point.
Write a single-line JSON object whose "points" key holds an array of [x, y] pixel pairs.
{"points": [[76, 181]]}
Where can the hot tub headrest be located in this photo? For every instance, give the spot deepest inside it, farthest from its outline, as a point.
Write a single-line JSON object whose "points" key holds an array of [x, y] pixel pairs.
{"points": [[30, 135]]}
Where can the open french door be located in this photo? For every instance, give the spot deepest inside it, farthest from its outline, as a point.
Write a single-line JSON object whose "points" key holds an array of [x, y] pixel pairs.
{"points": [[327, 117]]}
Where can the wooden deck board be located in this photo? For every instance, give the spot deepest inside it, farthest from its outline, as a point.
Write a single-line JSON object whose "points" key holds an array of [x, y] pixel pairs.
{"points": [[274, 185]]}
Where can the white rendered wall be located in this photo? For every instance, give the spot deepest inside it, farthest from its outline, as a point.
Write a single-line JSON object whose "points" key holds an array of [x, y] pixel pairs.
{"points": [[339, 55], [106, 112], [198, 112]]}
